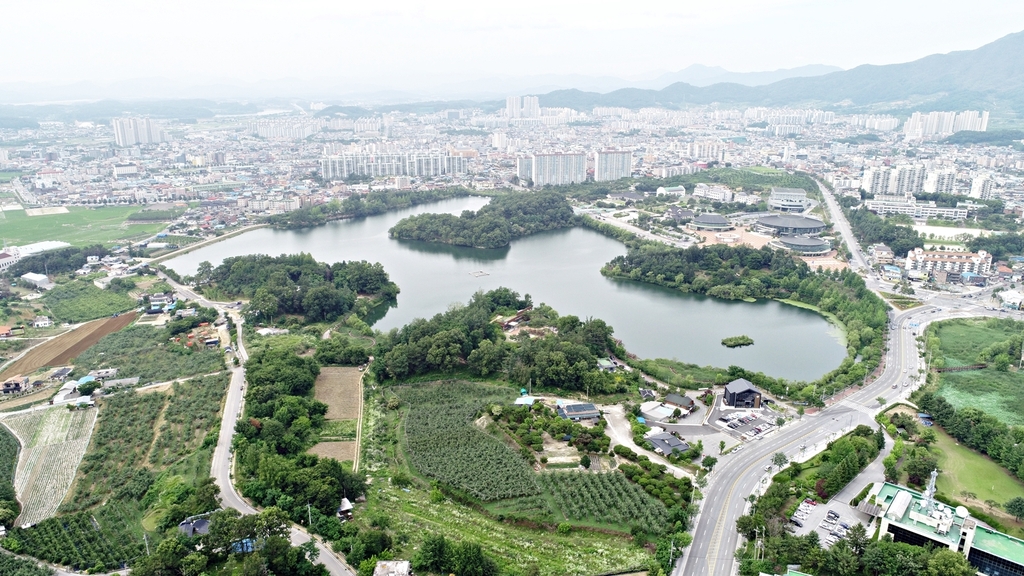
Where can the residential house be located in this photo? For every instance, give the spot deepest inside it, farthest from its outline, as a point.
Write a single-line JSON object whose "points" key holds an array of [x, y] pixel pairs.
{"points": [[577, 412], [684, 403], [42, 322], [5, 332], [15, 384], [667, 444]]}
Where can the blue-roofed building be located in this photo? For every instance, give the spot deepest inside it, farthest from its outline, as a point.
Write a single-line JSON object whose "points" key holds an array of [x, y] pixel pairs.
{"points": [[890, 272]]}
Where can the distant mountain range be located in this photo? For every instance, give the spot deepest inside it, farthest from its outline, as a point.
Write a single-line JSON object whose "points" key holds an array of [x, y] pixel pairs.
{"points": [[990, 77]]}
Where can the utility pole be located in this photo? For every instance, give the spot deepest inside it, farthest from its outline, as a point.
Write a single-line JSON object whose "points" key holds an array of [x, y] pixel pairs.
{"points": [[146, 538], [309, 515]]}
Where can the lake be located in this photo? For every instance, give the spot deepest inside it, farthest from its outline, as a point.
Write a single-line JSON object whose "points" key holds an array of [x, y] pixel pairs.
{"points": [[560, 268]]}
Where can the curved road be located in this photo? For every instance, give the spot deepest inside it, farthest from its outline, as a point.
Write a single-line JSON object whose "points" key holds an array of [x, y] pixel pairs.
{"points": [[221, 468], [736, 477]]}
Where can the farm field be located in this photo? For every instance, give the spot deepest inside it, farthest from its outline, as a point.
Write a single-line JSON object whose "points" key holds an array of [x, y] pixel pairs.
{"points": [[998, 393], [443, 443], [145, 449], [604, 499], [339, 388], [60, 350], [81, 300], [53, 442], [580, 553], [340, 451], [144, 351], [81, 226]]}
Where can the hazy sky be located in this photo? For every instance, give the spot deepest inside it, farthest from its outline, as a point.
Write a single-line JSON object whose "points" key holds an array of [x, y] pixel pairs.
{"points": [[391, 42]]}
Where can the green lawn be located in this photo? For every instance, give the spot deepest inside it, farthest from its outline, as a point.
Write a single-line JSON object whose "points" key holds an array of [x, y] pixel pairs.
{"points": [[961, 468], [8, 175], [80, 226]]}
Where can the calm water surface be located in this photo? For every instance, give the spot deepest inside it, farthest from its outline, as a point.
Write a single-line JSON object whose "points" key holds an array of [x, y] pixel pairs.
{"points": [[560, 268]]}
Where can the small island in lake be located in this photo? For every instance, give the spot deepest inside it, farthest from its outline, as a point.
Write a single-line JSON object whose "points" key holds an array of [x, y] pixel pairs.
{"points": [[737, 341]]}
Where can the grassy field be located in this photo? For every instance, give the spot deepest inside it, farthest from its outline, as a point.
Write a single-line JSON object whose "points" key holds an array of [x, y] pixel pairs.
{"points": [[962, 339], [1000, 394], [80, 226], [962, 469], [339, 389]]}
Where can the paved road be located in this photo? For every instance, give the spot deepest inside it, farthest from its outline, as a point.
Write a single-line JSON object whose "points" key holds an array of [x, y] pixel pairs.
{"points": [[221, 468], [739, 475]]}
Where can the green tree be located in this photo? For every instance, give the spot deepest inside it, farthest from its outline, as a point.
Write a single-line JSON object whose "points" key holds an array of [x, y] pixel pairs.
{"points": [[323, 303], [204, 273], [709, 462], [721, 446], [433, 555], [262, 307], [779, 460], [585, 461], [468, 559], [1015, 507], [946, 562]]}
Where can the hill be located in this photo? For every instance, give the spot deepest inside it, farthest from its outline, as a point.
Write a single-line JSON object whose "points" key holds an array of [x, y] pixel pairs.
{"points": [[990, 77]]}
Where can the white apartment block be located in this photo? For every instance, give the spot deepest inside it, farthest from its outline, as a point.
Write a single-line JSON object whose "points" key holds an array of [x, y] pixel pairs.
{"points": [[941, 182], [612, 165], [514, 107], [926, 261], [707, 150], [132, 131], [558, 169], [416, 164], [981, 187], [944, 123]]}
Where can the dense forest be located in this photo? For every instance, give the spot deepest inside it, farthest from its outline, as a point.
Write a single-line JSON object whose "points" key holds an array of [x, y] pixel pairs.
{"points": [[495, 225], [870, 229], [297, 284], [740, 272], [564, 355], [998, 245], [355, 206], [281, 423], [58, 261]]}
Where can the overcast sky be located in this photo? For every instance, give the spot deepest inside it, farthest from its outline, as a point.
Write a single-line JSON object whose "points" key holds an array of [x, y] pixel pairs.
{"points": [[391, 42]]}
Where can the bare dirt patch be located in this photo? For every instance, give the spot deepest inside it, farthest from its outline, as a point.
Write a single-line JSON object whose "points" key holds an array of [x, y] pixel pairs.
{"points": [[340, 451], [339, 388], [63, 348]]}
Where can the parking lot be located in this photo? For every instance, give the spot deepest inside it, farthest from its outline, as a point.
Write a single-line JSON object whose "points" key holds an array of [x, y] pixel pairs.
{"points": [[749, 425], [831, 521]]}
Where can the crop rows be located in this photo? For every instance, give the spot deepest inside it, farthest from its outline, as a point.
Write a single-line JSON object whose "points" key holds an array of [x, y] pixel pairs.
{"points": [[605, 498], [82, 541], [8, 456], [121, 444], [54, 442], [192, 411], [444, 444]]}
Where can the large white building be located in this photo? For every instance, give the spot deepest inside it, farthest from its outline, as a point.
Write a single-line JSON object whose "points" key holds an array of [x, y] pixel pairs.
{"points": [[531, 107], [981, 187], [612, 165], [420, 164], [941, 182], [944, 123], [132, 131], [928, 261], [514, 107], [714, 192], [557, 169], [901, 180]]}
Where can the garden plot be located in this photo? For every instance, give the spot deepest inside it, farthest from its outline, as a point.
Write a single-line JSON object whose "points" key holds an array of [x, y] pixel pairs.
{"points": [[53, 442], [339, 389], [559, 451]]}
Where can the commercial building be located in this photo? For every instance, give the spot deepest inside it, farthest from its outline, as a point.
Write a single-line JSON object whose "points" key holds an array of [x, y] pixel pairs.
{"points": [[416, 164], [788, 200], [710, 222], [803, 245], [789, 224], [914, 518], [913, 208], [558, 169], [881, 254], [742, 393], [612, 165], [714, 192], [979, 262]]}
